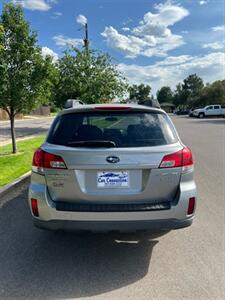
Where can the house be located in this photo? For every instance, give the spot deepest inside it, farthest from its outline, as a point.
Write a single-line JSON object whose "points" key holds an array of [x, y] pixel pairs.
{"points": [[168, 107]]}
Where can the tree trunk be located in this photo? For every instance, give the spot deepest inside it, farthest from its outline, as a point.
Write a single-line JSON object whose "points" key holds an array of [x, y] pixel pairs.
{"points": [[13, 132]]}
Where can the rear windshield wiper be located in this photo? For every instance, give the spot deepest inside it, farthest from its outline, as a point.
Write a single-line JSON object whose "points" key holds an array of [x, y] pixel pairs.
{"points": [[93, 144]]}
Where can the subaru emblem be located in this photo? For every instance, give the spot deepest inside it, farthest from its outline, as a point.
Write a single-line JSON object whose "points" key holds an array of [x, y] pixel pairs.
{"points": [[112, 159]]}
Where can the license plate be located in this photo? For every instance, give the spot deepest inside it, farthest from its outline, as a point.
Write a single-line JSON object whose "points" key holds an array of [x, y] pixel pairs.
{"points": [[111, 179]]}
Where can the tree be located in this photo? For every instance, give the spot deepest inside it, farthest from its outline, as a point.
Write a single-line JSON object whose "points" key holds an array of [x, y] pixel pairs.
{"points": [[178, 96], [89, 76], [140, 92], [25, 76], [1, 38], [212, 94], [165, 94], [192, 87], [187, 93]]}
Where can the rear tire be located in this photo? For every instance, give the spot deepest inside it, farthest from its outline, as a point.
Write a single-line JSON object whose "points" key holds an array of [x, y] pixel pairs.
{"points": [[201, 115]]}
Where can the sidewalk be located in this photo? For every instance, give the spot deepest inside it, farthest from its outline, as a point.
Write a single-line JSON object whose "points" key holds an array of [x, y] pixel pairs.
{"points": [[27, 118]]}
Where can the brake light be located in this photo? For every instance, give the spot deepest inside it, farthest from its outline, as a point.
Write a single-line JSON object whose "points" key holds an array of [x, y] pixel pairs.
{"points": [[191, 206], [182, 158], [187, 157], [34, 207], [43, 159]]}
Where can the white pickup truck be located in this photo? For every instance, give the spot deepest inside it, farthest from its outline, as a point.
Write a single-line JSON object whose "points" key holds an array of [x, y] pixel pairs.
{"points": [[215, 110]]}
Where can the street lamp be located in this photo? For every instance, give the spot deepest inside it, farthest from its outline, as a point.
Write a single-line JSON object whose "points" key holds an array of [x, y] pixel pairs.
{"points": [[86, 41]]}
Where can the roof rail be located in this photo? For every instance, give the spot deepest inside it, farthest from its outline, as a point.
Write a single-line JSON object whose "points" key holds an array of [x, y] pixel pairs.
{"points": [[151, 103], [71, 103]]}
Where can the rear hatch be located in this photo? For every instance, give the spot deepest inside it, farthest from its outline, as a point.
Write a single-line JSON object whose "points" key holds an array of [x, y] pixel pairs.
{"points": [[112, 156]]}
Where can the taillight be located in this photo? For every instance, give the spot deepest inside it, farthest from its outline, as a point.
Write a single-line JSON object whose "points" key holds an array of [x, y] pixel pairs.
{"points": [[182, 158], [191, 206], [187, 157], [43, 159], [34, 207]]}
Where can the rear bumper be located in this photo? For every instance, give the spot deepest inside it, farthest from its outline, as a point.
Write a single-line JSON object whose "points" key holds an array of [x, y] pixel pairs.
{"points": [[159, 220], [122, 226]]}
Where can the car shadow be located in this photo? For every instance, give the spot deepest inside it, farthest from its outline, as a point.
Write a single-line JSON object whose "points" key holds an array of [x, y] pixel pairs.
{"points": [[50, 265]]}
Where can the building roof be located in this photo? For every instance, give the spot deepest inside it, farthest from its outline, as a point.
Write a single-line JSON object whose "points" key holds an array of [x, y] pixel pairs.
{"points": [[167, 104]]}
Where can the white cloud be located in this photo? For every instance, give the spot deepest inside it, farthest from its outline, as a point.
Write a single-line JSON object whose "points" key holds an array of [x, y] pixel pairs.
{"points": [[47, 51], [174, 60], [81, 19], [214, 46], [62, 40], [41, 5], [133, 46], [126, 29], [151, 37], [172, 70], [157, 24], [219, 28], [128, 21], [57, 13], [202, 2]]}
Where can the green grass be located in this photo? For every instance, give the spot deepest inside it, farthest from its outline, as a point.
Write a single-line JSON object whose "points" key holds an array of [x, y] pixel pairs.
{"points": [[14, 165], [104, 123], [54, 114], [101, 123]]}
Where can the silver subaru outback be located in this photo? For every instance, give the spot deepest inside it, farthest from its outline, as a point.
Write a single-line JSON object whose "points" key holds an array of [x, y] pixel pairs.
{"points": [[112, 167]]}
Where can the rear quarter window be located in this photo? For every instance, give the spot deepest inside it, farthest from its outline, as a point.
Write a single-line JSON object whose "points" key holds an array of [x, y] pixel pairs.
{"points": [[124, 129]]}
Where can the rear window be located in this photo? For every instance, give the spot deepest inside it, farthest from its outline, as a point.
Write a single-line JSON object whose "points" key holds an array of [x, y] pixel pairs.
{"points": [[112, 129]]}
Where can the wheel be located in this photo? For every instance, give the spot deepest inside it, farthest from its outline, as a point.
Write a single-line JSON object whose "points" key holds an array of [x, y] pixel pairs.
{"points": [[201, 115]]}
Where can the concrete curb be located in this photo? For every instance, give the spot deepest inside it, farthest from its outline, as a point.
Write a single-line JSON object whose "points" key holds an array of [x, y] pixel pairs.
{"points": [[15, 184]]}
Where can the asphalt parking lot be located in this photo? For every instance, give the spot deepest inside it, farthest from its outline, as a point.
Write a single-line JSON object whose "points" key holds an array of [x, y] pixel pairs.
{"points": [[184, 264]]}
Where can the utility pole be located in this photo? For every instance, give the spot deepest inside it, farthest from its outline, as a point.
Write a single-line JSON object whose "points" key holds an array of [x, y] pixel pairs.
{"points": [[86, 41]]}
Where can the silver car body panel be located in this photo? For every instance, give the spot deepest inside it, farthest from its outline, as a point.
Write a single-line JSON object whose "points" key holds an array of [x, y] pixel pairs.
{"points": [[147, 182]]}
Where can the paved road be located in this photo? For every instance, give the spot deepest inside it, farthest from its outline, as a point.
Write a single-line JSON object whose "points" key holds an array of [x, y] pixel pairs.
{"points": [[188, 263], [24, 128]]}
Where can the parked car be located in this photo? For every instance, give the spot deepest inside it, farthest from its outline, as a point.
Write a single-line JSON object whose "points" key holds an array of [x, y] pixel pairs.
{"points": [[112, 167], [210, 111], [180, 112], [191, 112]]}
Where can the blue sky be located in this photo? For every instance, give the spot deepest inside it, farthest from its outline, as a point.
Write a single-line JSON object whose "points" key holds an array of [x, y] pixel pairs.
{"points": [[154, 42]]}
